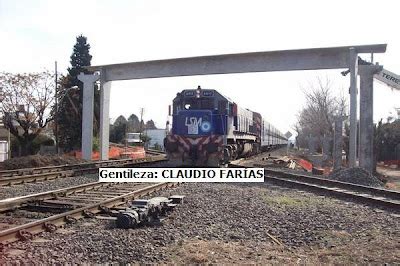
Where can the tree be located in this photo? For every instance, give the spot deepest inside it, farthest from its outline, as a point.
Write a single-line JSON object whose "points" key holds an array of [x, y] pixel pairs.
{"points": [[69, 113], [118, 130], [317, 117], [133, 123], [150, 125], [27, 105], [387, 140]]}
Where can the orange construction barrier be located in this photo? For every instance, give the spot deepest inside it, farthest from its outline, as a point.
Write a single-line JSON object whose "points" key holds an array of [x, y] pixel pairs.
{"points": [[305, 164], [115, 153]]}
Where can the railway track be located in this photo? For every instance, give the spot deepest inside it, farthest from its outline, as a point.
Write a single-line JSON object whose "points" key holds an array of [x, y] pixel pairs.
{"points": [[155, 152], [367, 195], [27, 175], [70, 204]]}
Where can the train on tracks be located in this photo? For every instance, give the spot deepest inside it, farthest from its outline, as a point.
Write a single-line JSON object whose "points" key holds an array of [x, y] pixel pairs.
{"points": [[209, 129]]}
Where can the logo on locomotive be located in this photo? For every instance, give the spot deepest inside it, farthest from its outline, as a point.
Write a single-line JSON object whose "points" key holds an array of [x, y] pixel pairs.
{"points": [[194, 123]]}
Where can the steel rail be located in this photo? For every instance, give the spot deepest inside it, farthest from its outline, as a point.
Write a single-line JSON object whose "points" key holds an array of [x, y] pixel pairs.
{"points": [[13, 203], [371, 195], [340, 192], [33, 178], [395, 195], [27, 231], [61, 171], [55, 168]]}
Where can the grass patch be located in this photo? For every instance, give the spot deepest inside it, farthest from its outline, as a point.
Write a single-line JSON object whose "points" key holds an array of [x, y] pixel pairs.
{"points": [[286, 201], [333, 238]]}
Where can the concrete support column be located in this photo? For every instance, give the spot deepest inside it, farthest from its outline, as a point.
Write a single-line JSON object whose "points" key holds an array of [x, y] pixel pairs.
{"points": [[105, 89], [326, 147], [87, 113], [337, 143], [353, 107], [311, 144], [366, 156]]}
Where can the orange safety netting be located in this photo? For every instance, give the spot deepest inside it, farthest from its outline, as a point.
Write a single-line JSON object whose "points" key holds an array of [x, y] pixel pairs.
{"points": [[115, 153], [305, 164]]}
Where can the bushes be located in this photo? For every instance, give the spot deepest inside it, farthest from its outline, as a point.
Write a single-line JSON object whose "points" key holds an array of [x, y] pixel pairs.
{"points": [[387, 139], [33, 148]]}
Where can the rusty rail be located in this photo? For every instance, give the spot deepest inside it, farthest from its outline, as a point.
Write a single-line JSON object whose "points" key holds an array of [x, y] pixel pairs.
{"points": [[13, 203], [368, 195], [29, 230], [20, 176]]}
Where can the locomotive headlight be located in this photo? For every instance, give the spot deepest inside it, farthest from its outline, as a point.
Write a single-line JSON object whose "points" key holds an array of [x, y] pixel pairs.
{"points": [[198, 92]]}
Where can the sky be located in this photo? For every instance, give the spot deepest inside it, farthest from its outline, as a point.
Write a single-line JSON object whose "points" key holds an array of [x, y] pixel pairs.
{"points": [[36, 33]]}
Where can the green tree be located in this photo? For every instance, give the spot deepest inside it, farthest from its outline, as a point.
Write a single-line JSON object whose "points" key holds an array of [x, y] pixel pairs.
{"points": [[387, 139], [133, 123], [150, 124], [69, 113], [118, 130]]}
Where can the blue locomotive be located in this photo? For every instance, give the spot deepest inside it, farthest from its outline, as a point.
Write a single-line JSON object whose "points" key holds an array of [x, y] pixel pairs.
{"points": [[209, 129]]}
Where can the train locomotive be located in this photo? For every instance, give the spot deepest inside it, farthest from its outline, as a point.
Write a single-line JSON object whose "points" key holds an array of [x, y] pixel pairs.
{"points": [[209, 129]]}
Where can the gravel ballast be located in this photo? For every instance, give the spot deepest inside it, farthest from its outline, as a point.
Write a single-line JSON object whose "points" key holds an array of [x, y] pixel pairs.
{"points": [[356, 175], [229, 223]]}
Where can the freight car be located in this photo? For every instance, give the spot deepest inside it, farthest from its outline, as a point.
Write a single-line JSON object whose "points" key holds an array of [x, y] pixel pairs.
{"points": [[209, 129]]}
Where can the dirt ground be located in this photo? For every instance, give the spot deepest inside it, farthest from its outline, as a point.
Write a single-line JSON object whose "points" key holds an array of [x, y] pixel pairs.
{"points": [[39, 161], [392, 176], [229, 224]]}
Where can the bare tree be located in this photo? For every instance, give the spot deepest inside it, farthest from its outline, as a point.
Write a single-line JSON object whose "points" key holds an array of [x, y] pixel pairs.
{"points": [[317, 116], [26, 106]]}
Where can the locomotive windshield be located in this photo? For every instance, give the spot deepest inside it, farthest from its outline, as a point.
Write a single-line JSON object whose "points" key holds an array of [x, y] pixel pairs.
{"points": [[198, 104], [200, 100]]}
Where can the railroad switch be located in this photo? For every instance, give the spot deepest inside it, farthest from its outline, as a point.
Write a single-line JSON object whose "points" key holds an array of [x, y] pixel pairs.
{"points": [[142, 211]]}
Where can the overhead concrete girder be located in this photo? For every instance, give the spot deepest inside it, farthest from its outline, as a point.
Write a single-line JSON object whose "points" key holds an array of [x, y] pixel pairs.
{"points": [[286, 60], [303, 59]]}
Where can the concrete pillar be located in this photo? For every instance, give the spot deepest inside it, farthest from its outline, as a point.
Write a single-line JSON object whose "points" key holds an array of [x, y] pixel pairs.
{"points": [[87, 113], [337, 143], [326, 147], [105, 89], [366, 156], [353, 66], [311, 144]]}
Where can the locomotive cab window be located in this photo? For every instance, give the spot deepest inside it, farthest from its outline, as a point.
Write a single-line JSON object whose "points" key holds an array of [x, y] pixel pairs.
{"points": [[198, 104], [222, 107]]}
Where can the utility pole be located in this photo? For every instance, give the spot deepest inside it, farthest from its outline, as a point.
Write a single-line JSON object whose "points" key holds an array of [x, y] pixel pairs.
{"points": [[56, 107], [141, 123]]}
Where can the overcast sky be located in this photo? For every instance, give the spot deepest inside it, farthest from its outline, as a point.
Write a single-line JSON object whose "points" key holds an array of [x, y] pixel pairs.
{"points": [[36, 33]]}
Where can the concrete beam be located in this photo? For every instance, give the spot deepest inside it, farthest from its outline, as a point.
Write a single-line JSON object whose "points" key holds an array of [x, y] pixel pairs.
{"points": [[303, 59], [87, 113], [366, 156], [105, 88]]}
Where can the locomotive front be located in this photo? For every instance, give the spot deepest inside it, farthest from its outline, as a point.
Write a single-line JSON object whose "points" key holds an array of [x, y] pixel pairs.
{"points": [[199, 119]]}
